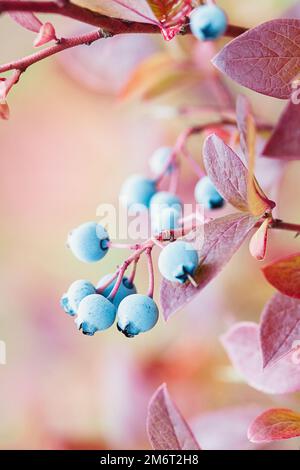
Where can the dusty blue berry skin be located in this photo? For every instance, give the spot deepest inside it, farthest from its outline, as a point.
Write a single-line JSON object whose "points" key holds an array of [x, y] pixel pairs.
{"points": [[137, 190], [95, 313], [207, 195], [159, 160], [167, 219], [76, 292], [208, 22], [126, 288], [137, 314], [177, 260], [89, 242]]}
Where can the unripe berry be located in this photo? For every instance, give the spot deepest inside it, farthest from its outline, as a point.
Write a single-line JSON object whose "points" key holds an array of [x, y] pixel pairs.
{"points": [[177, 260], [208, 22], [137, 190], [89, 242], [76, 292], [95, 313], [126, 288], [207, 195], [159, 160], [137, 314]]}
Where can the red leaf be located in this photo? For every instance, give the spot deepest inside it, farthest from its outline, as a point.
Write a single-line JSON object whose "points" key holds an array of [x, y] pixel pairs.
{"points": [[27, 20], [131, 10], [227, 172], [279, 328], [258, 242], [4, 111], [222, 237], [265, 59], [46, 34], [243, 348], [284, 143], [275, 425], [167, 429], [284, 275]]}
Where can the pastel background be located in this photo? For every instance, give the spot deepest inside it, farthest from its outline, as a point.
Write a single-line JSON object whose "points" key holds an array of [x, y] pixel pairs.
{"points": [[67, 148]]}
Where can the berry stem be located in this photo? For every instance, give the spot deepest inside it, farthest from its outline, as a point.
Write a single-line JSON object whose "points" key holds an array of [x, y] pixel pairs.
{"points": [[133, 272], [151, 272], [107, 283], [192, 162]]}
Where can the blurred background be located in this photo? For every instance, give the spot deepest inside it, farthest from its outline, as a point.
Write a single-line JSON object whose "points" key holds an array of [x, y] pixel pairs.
{"points": [[76, 132]]}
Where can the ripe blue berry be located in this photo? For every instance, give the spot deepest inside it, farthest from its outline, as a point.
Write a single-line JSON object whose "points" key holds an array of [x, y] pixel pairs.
{"points": [[206, 194], [136, 314], [76, 292], [159, 160], [208, 22], [137, 190], [95, 313], [167, 219], [89, 242], [177, 260], [126, 288]]}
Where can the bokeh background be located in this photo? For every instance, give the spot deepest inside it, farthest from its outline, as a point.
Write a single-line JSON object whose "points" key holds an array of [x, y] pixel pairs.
{"points": [[67, 148]]}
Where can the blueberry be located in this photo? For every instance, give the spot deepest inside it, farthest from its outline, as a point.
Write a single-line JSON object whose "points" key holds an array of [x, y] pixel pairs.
{"points": [[167, 219], [89, 242], [136, 314], [126, 288], [177, 260], [159, 160], [207, 195], [137, 190], [76, 292], [95, 313], [208, 22]]}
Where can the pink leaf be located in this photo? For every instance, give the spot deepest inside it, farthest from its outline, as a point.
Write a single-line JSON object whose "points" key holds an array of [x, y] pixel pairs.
{"points": [[167, 429], [279, 328], [284, 143], [265, 59], [216, 241], [131, 10], [258, 242], [244, 115], [243, 348], [227, 172], [27, 20], [275, 425], [46, 34]]}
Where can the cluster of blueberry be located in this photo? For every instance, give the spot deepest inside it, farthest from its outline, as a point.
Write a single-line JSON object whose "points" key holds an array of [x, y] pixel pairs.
{"points": [[115, 297]]}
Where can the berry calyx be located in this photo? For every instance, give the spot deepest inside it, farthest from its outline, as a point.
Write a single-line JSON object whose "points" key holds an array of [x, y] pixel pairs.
{"points": [[76, 292], [159, 160], [95, 313], [137, 192], [89, 242], [207, 195], [177, 261], [137, 314], [208, 22], [126, 288]]}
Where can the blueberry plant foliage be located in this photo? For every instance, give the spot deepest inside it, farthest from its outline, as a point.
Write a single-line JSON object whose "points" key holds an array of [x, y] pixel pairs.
{"points": [[265, 59]]}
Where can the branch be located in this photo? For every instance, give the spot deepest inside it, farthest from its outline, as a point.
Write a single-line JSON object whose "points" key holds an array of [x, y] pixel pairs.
{"points": [[63, 44], [113, 25]]}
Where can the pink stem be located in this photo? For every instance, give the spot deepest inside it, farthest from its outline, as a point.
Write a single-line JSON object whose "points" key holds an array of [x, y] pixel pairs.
{"points": [[107, 283], [174, 179], [280, 225], [194, 165], [151, 272]]}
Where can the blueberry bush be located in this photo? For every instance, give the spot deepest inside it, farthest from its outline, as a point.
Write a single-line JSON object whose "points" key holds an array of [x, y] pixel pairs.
{"points": [[193, 249]]}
